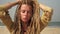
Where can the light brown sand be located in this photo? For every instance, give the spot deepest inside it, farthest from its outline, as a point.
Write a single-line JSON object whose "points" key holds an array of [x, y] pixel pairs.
{"points": [[51, 30], [47, 30], [4, 30]]}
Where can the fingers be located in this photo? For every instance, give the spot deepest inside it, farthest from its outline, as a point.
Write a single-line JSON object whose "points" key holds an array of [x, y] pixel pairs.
{"points": [[18, 0]]}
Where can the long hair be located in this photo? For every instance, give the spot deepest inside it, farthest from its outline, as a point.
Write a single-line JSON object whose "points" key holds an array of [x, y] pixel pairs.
{"points": [[34, 27]]}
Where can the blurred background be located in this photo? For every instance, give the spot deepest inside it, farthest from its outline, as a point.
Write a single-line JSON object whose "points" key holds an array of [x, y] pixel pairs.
{"points": [[54, 25]]}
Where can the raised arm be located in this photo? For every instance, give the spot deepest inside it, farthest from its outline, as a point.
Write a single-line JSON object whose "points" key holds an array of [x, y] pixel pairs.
{"points": [[4, 15], [46, 16], [10, 4]]}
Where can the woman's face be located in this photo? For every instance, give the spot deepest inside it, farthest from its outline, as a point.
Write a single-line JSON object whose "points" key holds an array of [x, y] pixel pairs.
{"points": [[25, 12]]}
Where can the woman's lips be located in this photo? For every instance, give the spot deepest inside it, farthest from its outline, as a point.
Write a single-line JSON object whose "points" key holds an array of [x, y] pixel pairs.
{"points": [[25, 18]]}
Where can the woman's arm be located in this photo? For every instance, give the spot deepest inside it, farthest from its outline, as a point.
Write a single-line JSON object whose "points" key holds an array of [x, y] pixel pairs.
{"points": [[4, 8], [5, 17], [46, 16], [10, 4]]}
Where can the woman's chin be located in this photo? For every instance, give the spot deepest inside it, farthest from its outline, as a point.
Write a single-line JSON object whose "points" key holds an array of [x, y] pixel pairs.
{"points": [[25, 21]]}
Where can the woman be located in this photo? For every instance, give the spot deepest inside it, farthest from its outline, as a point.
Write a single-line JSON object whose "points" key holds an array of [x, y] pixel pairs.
{"points": [[27, 17]]}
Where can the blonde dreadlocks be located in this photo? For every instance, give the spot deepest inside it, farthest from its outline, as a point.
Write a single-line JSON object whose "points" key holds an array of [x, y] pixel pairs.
{"points": [[34, 27]]}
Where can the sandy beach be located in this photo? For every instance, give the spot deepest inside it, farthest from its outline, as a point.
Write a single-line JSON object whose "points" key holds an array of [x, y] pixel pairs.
{"points": [[51, 30], [47, 30]]}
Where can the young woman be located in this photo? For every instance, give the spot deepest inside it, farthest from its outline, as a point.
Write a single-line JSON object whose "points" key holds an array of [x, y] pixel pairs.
{"points": [[27, 17]]}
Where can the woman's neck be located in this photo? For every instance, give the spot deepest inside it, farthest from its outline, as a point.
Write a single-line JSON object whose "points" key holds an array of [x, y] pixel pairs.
{"points": [[24, 23], [24, 26]]}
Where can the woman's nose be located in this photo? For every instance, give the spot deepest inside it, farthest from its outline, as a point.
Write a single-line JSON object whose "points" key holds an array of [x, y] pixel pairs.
{"points": [[26, 13]]}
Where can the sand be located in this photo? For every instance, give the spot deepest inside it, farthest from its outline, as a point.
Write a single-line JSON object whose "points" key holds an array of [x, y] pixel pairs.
{"points": [[51, 30], [47, 30]]}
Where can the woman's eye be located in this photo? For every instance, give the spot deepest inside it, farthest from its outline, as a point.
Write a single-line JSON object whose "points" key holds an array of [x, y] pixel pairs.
{"points": [[23, 11], [29, 12]]}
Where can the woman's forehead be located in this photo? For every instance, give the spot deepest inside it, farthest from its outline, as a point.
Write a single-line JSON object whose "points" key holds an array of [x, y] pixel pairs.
{"points": [[25, 6]]}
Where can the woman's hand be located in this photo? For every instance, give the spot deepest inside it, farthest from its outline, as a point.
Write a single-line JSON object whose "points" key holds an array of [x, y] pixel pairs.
{"points": [[45, 8], [10, 4], [18, 0]]}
